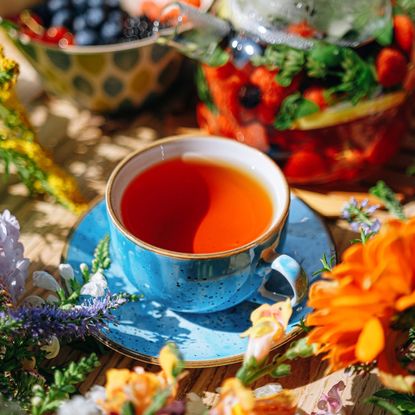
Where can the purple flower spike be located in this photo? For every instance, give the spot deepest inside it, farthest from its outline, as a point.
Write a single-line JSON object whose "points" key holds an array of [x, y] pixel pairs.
{"points": [[13, 266], [331, 403], [360, 217]]}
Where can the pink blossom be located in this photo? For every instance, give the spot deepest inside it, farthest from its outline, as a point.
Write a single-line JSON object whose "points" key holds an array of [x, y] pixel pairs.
{"points": [[331, 403]]}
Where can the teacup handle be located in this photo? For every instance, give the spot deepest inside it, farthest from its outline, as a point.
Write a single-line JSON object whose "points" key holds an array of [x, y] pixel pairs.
{"points": [[292, 271]]}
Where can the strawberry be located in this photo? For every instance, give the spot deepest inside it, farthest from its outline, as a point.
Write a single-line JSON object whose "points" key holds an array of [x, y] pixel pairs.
{"points": [[272, 92], [302, 29], [316, 95], [59, 35], [305, 165], [391, 67], [225, 95], [404, 32], [219, 72]]}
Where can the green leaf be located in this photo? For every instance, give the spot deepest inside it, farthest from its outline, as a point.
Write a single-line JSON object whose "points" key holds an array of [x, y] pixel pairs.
{"points": [[294, 106], [158, 402], [323, 58], [219, 57], [383, 192], [384, 36], [410, 171], [204, 91], [128, 409], [300, 348], [394, 402], [281, 370]]}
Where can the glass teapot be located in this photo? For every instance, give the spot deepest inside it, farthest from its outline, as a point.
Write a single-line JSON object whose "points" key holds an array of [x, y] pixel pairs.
{"points": [[320, 85]]}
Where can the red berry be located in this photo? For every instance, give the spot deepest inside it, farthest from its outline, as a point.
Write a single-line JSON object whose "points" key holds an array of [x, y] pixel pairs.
{"points": [[391, 67], [59, 35], [305, 165], [404, 32], [272, 92], [302, 29], [316, 95]]}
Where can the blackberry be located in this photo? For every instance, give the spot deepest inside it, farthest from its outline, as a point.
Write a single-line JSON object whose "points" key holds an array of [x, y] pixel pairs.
{"points": [[249, 96], [136, 28]]}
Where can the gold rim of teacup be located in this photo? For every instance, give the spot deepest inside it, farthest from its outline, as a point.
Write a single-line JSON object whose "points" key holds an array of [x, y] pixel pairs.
{"points": [[182, 255]]}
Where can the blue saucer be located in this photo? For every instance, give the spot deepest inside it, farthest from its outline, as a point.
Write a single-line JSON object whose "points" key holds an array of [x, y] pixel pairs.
{"points": [[205, 340]]}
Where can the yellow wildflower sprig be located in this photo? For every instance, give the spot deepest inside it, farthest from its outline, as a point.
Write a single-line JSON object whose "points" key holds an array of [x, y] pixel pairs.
{"points": [[269, 324], [19, 148]]}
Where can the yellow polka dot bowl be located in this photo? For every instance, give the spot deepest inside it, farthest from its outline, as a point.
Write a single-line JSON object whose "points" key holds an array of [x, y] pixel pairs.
{"points": [[106, 79]]}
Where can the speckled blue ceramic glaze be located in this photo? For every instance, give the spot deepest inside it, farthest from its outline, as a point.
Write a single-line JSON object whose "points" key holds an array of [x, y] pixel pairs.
{"points": [[199, 283], [205, 339], [192, 285]]}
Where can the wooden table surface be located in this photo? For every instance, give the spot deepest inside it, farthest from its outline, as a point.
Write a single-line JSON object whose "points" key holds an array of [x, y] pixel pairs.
{"points": [[90, 146]]}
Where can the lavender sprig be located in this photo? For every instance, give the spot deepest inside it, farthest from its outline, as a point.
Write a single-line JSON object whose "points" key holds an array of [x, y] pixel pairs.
{"points": [[359, 216], [46, 321]]}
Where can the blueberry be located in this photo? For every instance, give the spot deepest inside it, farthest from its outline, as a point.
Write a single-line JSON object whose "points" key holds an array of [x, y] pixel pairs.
{"points": [[96, 3], [79, 6], [86, 37], [113, 4], [56, 5], [79, 23], [94, 17], [249, 96], [62, 17], [110, 32], [116, 16]]}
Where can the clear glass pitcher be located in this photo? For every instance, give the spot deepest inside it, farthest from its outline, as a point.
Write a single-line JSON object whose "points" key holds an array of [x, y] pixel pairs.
{"points": [[321, 85]]}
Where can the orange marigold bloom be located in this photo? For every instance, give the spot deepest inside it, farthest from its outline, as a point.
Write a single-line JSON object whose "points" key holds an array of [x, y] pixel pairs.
{"points": [[355, 302]]}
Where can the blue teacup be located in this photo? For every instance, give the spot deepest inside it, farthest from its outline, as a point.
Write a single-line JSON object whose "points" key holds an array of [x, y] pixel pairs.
{"points": [[200, 283]]}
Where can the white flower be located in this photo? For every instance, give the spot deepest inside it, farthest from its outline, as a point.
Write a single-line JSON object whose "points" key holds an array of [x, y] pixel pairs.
{"points": [[96, 286], [43, 279], [13, 266], [52, 299], [79, 405], [83, 267], [67, 274], [36, 401], [52, 348], [34, 301]]}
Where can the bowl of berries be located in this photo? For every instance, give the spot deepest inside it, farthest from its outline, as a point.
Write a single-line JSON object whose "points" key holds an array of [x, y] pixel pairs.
{"points": [[322, 86], [100, 54]]}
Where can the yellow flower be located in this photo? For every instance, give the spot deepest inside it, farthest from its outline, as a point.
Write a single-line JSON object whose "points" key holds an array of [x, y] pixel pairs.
{"points": [[61, 185], [234, 399], [269, 323], [169, 361], [9, 71]]}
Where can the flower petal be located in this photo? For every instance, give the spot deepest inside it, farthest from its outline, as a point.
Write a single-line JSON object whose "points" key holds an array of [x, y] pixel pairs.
{"points": [[44, 280], [371, 341]]}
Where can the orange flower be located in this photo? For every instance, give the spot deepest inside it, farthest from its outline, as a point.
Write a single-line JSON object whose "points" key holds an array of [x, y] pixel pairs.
{"points": [[236, 399], [140, 387], [354, 305]]}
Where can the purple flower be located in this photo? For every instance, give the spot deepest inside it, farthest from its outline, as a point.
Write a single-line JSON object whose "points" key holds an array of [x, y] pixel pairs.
{"points": [[359, 216], [13, 266], [331, 403], [44, 322]]}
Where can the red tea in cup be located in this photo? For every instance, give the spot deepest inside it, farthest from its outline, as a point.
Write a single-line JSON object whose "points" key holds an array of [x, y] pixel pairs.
{"points": [[193, 205]]}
